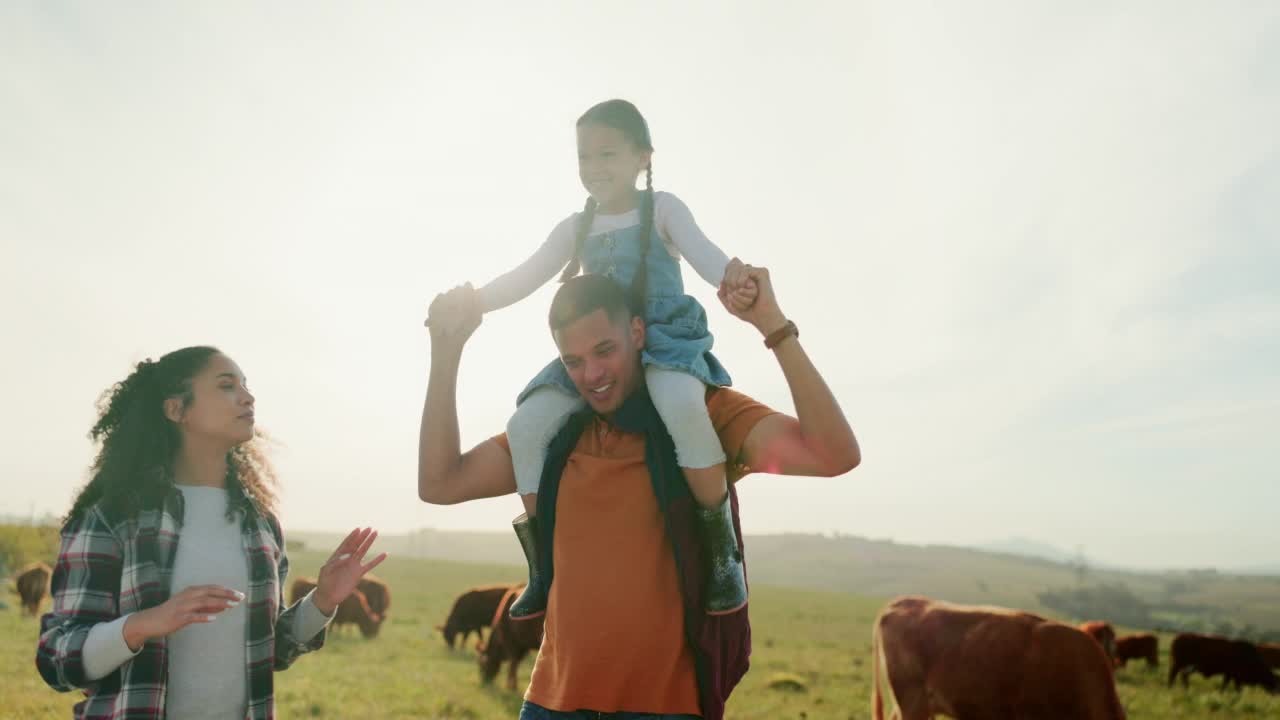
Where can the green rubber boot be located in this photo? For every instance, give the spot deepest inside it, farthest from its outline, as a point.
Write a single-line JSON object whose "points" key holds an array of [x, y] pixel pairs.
{"points": [[726, 582], [532, 602]]}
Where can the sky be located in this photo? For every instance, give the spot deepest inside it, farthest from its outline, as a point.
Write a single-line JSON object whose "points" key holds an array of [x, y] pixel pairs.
{"points": [[1034, 248]]}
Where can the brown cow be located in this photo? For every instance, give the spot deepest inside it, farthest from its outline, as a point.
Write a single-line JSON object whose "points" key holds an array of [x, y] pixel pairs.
{"points": [[1270, 654], [993, 663], [472, 612], [354, 610], [32, 584], [1137, 647], [1237, 661], [509, 640], [378, 594], [1104, 634]]}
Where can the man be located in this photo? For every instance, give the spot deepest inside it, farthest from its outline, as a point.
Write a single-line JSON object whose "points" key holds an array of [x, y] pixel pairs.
{"points": [[625, 633]]}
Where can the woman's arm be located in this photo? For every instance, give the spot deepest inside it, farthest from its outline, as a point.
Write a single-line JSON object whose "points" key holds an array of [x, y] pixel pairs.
{"points": [[296, 627], [84, 586]]}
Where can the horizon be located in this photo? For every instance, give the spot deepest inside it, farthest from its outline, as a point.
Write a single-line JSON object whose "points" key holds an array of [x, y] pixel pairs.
{"points": [[1002, 546]]}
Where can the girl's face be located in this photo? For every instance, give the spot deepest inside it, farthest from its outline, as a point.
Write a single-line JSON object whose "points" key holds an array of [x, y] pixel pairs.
{"points": [[608, 164], [221, 409]]}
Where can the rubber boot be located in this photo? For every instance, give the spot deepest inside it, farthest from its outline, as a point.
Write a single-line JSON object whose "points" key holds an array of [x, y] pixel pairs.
{"points": [[726, 582], [532, 602]]}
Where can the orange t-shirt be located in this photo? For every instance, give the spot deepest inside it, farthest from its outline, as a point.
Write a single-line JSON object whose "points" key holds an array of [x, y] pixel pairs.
{"points": [[614, 638]]}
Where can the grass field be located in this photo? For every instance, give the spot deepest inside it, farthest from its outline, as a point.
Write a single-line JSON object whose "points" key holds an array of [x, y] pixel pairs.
{"points": [[811, 660]]}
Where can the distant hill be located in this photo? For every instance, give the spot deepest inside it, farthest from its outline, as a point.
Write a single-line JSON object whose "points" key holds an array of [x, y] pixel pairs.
{"points": [[1259, 570], [1192, 599], [1027, 548]]}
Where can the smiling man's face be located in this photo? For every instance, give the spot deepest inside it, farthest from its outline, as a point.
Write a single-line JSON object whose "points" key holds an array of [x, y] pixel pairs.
{"points": [[602, 356]]}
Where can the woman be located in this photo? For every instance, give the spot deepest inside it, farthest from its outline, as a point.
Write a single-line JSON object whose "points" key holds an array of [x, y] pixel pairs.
{"points": [[168, 591]]}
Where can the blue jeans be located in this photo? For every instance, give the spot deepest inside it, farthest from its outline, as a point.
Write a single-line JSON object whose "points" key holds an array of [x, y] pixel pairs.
{"points": [[529, 711]]}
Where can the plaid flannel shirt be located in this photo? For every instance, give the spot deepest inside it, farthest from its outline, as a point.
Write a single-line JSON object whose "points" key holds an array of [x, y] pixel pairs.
{"points": [[110, 566]]}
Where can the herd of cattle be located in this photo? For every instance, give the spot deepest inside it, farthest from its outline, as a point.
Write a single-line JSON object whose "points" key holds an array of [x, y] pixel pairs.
{"points": [[476, 610], [509, 640], [956, 660], [936, 657], [964, 661]]}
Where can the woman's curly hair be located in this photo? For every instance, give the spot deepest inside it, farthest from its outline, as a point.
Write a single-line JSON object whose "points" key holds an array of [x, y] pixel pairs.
{"points": [[133, 470]]}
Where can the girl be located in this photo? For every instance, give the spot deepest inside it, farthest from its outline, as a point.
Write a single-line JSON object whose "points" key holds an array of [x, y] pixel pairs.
{"points": [[168, 590], [635, 238]]}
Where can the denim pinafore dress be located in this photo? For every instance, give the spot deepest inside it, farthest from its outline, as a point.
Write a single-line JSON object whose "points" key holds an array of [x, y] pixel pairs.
{"points": [[676, 335]]}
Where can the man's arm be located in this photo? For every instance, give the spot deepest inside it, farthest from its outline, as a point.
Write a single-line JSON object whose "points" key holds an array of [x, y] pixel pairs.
{"points": [[445, 474], [819, 440]]}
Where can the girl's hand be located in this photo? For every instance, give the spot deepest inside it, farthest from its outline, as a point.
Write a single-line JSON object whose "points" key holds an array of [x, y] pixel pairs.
{"points": [[454, 314], [342, 572], [195, 604], [743, 298], [738, 290], [735, 274], [763, 312]]}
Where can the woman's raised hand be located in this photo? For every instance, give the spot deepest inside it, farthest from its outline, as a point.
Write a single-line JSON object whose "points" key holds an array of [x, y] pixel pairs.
{"points": [[342, 572]]}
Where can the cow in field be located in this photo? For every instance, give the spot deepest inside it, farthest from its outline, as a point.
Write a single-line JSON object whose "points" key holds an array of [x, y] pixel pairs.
{"points": [[377, 593], [354, 610], [472, 612], [1138, 646], [1270, 654], [1237, 661], [509, 640], [987, 662], [1104, 634], [32, 584]]}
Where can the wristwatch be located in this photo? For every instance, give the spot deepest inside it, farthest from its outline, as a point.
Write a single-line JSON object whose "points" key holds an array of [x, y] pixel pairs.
{"points": [[772, 339]]}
